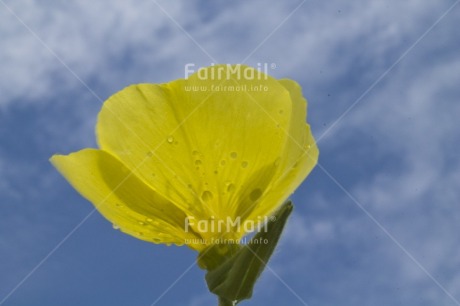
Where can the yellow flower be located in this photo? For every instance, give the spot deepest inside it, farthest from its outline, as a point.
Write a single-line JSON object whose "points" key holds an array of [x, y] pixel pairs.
{"points": [[175, 160]]}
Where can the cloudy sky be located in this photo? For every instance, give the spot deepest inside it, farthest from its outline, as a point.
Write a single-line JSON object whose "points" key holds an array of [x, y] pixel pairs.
{"points": [[377, 221]]}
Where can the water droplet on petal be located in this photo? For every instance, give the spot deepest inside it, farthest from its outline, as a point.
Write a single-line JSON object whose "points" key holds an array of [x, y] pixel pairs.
{"points": [[170, 139], [207, 196], [223, 162], [198, 162], [156, 240], [115, 227], [230, 187], [195, 152], [234, 155], [244, 164], [141, 223], [255, 194], [148, 220]]}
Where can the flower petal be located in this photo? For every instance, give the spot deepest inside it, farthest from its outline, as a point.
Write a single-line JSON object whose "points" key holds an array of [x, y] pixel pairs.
{"points": [[200, 142], [123, 198], [297, 134], [299, 157]]}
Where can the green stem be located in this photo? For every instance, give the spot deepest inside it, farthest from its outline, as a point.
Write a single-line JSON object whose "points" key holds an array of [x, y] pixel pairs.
{"points": [[225, 302]]}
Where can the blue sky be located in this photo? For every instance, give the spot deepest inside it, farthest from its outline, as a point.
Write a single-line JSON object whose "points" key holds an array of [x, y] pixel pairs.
{"points": [[376, 223]]}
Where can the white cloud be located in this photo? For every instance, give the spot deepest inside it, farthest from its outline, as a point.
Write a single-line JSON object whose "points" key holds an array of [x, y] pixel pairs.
{"points": [[91, 38], [414, 122], [410, 122], [303, 233], [94, 39]]}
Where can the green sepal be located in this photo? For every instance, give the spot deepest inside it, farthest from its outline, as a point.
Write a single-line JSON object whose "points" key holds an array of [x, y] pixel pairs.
{"points": [[234, 279], [216, 254]]}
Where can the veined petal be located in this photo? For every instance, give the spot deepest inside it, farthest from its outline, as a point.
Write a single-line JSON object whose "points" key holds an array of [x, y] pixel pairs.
{"points": [[296, 134], [123, 198], [201, 149], [299, 156]]}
